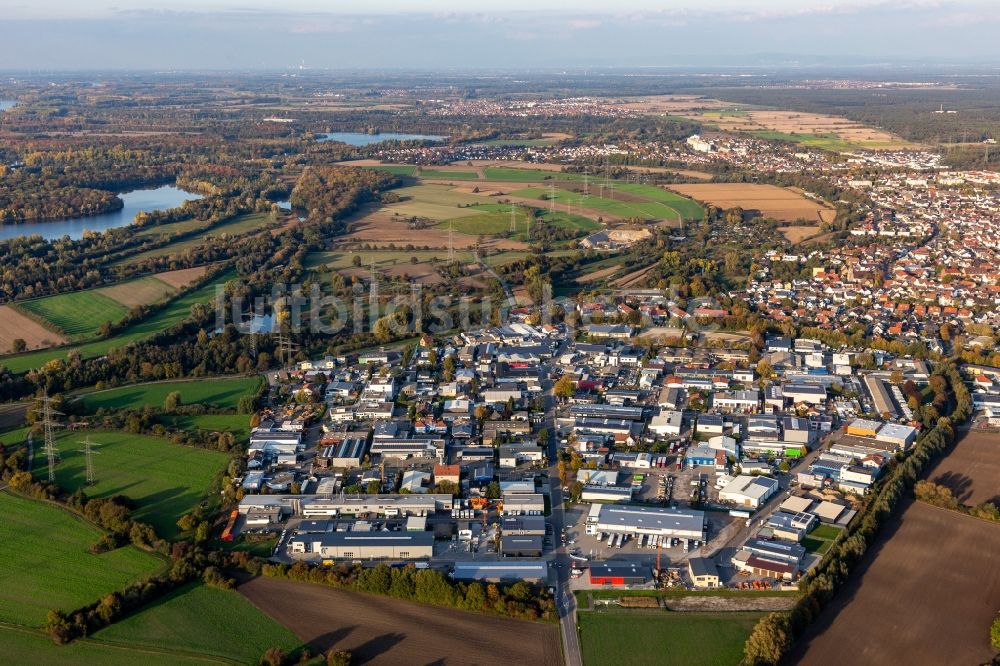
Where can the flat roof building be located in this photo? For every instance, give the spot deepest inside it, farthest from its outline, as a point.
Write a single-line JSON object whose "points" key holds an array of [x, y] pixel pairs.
{"points": [[501, 571], [365, 545], [629, 519], [619, 573], [703, 572]]}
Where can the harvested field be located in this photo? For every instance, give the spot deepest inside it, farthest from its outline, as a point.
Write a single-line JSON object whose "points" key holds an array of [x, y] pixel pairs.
{"points": [[797, 233], [382, 227], [632, 277], [780, 203], [597, 275], [14, 325], [183, 277], [380, 630], [143, 291], [925, 593], [972, 468]]}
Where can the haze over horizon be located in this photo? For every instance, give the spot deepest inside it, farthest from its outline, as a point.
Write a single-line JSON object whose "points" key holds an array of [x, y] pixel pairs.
{"points": [[248, 34]]}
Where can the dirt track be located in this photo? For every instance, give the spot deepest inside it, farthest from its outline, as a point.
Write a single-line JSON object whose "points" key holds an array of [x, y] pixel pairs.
{"points": [[925, 594], [380, 630]]}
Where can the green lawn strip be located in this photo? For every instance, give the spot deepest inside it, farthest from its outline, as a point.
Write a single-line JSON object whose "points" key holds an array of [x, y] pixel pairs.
{"points": [[664, 638], [826, 532], [237, 424], [205, 620], [527, 175], [818, 546], [27, 647], [236, 226], [164, 480], [224, 392], [395, 169], [79, 314], [446, 175], [181, 226], [177, 311], [46, 563]]}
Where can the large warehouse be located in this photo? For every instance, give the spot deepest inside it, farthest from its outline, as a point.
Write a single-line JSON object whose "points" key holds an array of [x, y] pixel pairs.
{"points": [[630, 519], [534, 571], [365, 545]]}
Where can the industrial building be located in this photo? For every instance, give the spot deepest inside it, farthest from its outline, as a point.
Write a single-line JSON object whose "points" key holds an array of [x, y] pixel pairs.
{"points": [[619, 573], [595, 493], [512, 545], [749, 491], [532, 571], [703, 572], [330, 506], [348, 453], [629, 519], [523, 526], [365, 545], [523, 504]]}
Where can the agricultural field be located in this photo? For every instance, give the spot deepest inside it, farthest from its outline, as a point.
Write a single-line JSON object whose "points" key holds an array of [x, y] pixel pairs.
{"points": [[181, 226], [518, 175], [783, 204], [171, 315], [237, 226], [445, 174], [77, 315], [392, 631], [338, 260], [663, 638], [972, 468], [494, 220], [925, 593], [222, 392], [164, 480], [381, 228], [27, 647], [182, 277], [202, 620], [144, 291], [15, 325], [620, 202], [46, 562], [438, 202]]}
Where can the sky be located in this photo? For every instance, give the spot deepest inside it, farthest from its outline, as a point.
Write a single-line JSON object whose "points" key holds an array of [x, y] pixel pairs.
{"points": [[496, 34]]}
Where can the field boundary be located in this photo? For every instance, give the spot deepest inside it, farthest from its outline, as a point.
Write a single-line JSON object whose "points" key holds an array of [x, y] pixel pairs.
{"points": [[39, 319]]}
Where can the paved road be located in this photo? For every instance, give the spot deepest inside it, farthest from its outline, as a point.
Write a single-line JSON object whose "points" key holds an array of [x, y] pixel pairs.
{"points": [[565, 601]]}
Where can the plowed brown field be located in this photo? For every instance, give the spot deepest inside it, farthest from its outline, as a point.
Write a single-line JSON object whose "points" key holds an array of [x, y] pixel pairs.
{"points": [[380, 630]]}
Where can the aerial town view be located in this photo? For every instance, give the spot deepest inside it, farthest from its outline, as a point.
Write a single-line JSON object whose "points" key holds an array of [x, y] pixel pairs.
{"points": [[531, 333]]}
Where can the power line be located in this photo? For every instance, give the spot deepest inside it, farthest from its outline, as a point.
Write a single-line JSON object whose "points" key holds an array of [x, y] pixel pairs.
{"points": [[48, 423], [88, 452]]}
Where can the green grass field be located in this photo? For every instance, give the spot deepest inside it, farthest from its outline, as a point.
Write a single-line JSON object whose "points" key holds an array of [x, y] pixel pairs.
{"points": [[179, 227], [396, 169], [657, 204], [222, 393], [46, 564], [237, 226], [27, 647], [165, 481], [171, 315], [663, 638], [238, 424], [818, 546], [79, 314], [826, 532], [494, 220], [448, 175], [517, 175], [382, 258], [203, 620]]}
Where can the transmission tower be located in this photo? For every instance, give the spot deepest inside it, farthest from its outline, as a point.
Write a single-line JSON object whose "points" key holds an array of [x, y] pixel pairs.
{"points": [[285, 349], [88, 452], [552, 197], [451, 242], [48, 423], [513, 219], [586, 185]]}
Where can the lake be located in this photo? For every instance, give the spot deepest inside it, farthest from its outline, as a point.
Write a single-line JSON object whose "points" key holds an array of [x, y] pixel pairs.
{"points": [[160, 198], [362, 139]]}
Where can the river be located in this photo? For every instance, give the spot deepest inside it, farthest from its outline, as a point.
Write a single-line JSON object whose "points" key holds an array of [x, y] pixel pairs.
{"points": [[148, 200], [362, 139]]}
